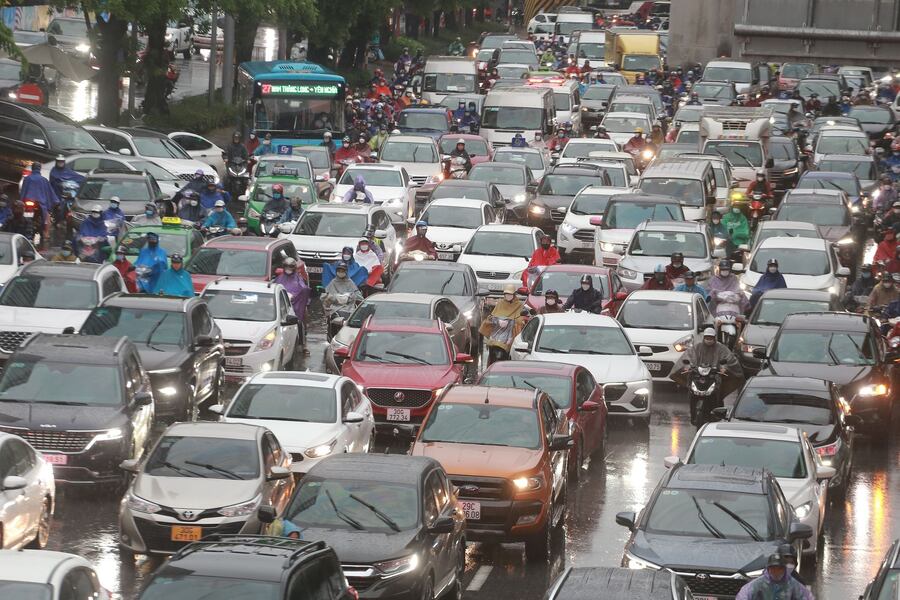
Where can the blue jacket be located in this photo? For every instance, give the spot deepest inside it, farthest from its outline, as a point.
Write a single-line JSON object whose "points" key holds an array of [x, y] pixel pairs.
{"points": [[114, 214], [57, 176], [91, 227], [156, 259], [355, 271], [5, 214], [768, 281], [37, 187], [694, 289], [220, 219], [175, 283], [208, 200], [264, 149]]}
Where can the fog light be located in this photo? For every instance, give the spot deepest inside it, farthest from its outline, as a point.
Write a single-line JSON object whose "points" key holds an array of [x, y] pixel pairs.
{"points": [[526, 519], [640, 402]]}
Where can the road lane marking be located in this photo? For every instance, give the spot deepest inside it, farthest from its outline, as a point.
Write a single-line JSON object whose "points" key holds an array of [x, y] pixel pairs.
{"points": [[480, 577]]}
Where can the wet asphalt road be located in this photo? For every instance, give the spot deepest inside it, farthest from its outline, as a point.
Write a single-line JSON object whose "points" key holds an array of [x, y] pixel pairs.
{"points": [[858, 532]]}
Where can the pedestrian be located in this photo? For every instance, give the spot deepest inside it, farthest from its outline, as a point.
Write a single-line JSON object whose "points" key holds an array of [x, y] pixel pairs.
{"points": [[775, 584]]}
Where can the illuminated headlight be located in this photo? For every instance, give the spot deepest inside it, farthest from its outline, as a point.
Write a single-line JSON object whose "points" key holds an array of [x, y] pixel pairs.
{"points": [[633, 562], [109, 434], [847, 240], [435, 178], [872, 390], [528, 484], [683, 344], [12, 95], [518, 198], [138, 504], [754, 574], [568, 228], [803, 510], [398, 566], [253, 213], [537, 210], [267, 341], [169, 390], [790, 171], [876, 194], [745, 287], [468, 314], [240, 510], [82, 48], [610, 247], [853, 209], [321, 450], [647, 154], [626, 273]]}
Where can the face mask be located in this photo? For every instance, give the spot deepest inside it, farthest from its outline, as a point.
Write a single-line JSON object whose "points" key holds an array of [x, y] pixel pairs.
{"points": [[509, 297], [114, 205], [676, 264], [120, 257], [585, 286], [95, 215], [363, 247], [709, 341], [342, 274], [193, 203], [545, 246], [716, 221], [346, 256], [152, 243], [148, 213], [887, 284], [176, 266], [220, 209], [735, 210], [773, 269], [277, 196], [345, 145], [724, 273], [866, 275], [289, 270], [66, 252], [551, 301]]}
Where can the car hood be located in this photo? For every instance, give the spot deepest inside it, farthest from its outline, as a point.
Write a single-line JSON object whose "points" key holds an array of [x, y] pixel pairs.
{"points": [[702, 553], [839, 374], [784, 164], [244, 330], [605, 369], [818, 434], [295, 436], [509, 190], [620, 138], [321, 243], [759, 335], [595, 105], [7, 272], [198, 493], [364, 547], [449, 235], [167, 358], [615, 236], [646, 264], [833, 233], [579, 221], [57, 417], [419, 169], [875, 129], [41, 320], [379, 192], [553, 201], [799, 282], [511, 264], [395, 376], [475, 459], [655, 337]]}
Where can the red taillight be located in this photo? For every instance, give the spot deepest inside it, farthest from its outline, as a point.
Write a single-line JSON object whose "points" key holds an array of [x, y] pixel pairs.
{"points": [[829, 450], [353, 592], [30, 204]]}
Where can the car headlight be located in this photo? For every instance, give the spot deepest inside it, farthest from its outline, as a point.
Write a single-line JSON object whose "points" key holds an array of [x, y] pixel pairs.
{"points": [[253, 213], [853, 209], [519, 198], [109, 434], [626, 273], [517, 275], [536, 210], [241, 510], [168, 390], [790, 171], [267, 340], [872, 390], [847, 241], [468, 314], [802, 511], [169, 36], [394, 202], [683, 344], [633, 562], [528, 484], [610, 247], [754, 574], [744, 286], [647, 154], [398, 566], [82, 48], [321, 450], [435, 178], [138, 504]]}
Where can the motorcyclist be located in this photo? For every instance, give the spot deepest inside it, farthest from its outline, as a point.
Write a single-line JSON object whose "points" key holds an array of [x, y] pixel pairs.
{"points": [[420, 241], [504, 323], [236, 149], [93, 225], [885, 292], [17, 223], [600, 133], [559, 141], [656, 135], [772, 279], [456, 48], [790, 557], [813, 104], [328, 142], [252, 142], [295, 209], [340, 291], [691, 286], [265, 147], [831, 108], [721, 284], [551, 303], [547, 57], [196, 185], [299, 291], [113, 212], [355, 271], [150, 216], [362, 148], [865, 283], [636, 143], [543, 256], [60, 173], [460, 151], [886, 194], [659, 280], [366, 257], [346, 153], [243, 228], [378, 139], [277, 203], [711, 353], [36, 187], [676, 268], [694, 100], [760, 185], [190, 208], [153, 258], [66, 253], [893, 265], [219, 217], [572, 66], [374, 243], [175, 281], [126, 269], [737, 226], [585, 296], [775, 582], [359, 187], [210, 195], [460, 111], [518, 141]]}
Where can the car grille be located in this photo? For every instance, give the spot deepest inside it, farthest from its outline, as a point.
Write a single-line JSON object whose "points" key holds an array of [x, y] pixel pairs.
{"points": [[10, 340], [491, 275], [360, 577], [500, 144], [420, 180], [585, 235], [56, 441], [411, 398], [190, 176], [158, 536], [654, 349], [477, 488], [613, 391], [236, 347], [243, 370], [712, 584], [557, 217]]}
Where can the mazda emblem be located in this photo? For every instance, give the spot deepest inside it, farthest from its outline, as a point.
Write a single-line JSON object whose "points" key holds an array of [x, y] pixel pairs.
{"points": [[399, 397]]}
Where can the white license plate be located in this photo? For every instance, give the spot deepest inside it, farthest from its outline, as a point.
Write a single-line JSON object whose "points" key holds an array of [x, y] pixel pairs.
{"points": [[313, 269], [233, 362], [472, 510], [705, 598], [587, 244], [29, 215], [495, 286], [651, 366], [398, 414], [445, 256], [56, 459]]}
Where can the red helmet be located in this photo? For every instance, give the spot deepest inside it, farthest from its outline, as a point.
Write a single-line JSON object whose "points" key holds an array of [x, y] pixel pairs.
{"points": [[278, 188]]}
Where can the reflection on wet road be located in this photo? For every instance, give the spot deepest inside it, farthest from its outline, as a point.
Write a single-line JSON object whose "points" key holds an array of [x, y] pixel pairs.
{"points": [[857, 534]]}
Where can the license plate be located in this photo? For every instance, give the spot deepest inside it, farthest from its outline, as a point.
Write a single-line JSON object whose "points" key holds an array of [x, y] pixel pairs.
{"points": [[472, 510], [398, 414], [233, 362], [181, 533], [705, 598], [29, 215], [587, 244], [56, 459], [651, 366], [495, 286], [313, 269], [445, 256]]}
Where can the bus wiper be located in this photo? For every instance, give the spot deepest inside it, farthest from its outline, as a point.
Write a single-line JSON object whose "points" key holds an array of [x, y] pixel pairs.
{"points": [[709, 526], [387, 520], [747, 526], [342, 515]]}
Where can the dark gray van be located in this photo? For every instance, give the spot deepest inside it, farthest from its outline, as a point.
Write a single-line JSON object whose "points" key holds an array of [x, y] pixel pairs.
{"points": [[617, 583]]}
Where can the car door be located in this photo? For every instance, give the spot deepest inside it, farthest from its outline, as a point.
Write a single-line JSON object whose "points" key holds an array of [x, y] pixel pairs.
{"points": [[350, 436], [440, 545], [14, 509], [138, 382], [25, 465], [206, 359], [457, 326], [522, 345], [199, 148], [588, 420], [290, 334], [552, 426], [820, 488]]}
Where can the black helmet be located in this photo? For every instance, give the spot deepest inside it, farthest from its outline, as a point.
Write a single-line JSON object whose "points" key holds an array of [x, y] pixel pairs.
{"points": [[176, 258], [866, 267], [690, 275], [725, 264], [677, 256], [587, 279], [772, 261], [236, 134]]}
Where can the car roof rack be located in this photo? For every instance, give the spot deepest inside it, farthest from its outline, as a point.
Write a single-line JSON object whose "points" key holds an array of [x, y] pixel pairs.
{"points": [[260, 542]]}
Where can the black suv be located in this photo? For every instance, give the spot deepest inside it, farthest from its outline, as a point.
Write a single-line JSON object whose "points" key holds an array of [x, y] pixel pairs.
{"points": [[887, 578], [178, 341], [845, 348], [85, 403], [250, 566], [556, 191], [135, 189], [713, 525], [578, 583], [393, 520]]}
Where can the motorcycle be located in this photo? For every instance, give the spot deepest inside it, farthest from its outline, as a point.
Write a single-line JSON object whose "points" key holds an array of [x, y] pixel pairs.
{"points": [[704, 385], [90, 249], [268, 223], [728, 318], [458, 168], [142, 276], [238, 176], [34, 212], [415, 255], [346, 162], [759, 206], [69, 191], [214, 231], [338, 313], [501, 333]]}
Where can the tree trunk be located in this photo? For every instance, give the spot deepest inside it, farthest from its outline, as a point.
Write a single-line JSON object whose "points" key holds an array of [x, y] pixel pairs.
{"points": [[245, 26], [110, 57], [156, 63]]}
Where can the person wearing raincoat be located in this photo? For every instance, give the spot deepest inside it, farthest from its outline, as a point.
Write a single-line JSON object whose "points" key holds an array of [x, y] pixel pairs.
{"points": [[585, 297], [175, 281], [341, 290], [723, 282], [209, 195], [154, 260], [355, 272], [36, 187], [126, 269], [365, 257], [713, 354], [299, 291], [504, 323], [150, 216], [359, 186], [60, 173], [737, 226], [772, 279], [544, 256]]}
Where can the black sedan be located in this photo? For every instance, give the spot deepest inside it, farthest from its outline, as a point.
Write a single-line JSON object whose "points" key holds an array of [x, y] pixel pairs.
{"points": [[788, 163], [876, 121]]}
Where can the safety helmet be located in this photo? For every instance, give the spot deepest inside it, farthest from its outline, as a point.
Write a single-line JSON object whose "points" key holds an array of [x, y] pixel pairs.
{"points": [[278, 188], [289, 262]]}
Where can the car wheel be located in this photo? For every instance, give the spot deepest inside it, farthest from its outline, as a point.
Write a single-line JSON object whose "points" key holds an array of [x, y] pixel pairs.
{"points": [[42, 535], [427, 589], [456, 590], [538, 547]]}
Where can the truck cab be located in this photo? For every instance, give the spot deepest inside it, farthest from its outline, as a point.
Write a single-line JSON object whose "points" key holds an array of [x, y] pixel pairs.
{"points": [[741, 135]]}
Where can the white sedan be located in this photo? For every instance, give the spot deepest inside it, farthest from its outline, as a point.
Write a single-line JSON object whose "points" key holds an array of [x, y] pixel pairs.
{"points": [[27, 495], [200, 148], [805, 263], [15, 251], [313, 415], [48, 575], [453, 221], [390, 186], [499, 253]]}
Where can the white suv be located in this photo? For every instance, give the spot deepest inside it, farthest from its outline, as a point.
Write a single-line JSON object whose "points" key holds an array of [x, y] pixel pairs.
{"points": [[418, 154], [575, 236], [49, 576], [452, 221], [258, 324], [27, 494]]}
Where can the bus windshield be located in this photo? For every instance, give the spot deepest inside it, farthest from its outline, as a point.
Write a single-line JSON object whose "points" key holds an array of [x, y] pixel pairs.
{"points": [[298, 115]]}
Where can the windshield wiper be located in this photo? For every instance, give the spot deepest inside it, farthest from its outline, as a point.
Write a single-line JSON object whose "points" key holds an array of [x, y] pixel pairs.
{"points": [[509, 254], [709, 526], [407, 356], [744, 156], [581, 351], [182, 470], [379, 357], [65, 403], [342, 515], [387, 520], [226, 472], [153, 332], [747, 526], [553, 350]]}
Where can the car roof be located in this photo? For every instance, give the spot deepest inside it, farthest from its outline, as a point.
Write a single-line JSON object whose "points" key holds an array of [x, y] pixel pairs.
{"points": [[685, 226], [639, 196], [424, 139], [717, 477], [841, 131], [626, 114], [664, 295], [847, 157], [797, 243], [375, 323], [116, 174], [151, 302], [242, 285], [437, 265], [481, 395], [757, 431], [579, 318], [389, 468], [782, 382], [673, 167], [504, 228], [464, 183], [34, 566], [244, 243], [727, 63], [795, 294], [532, 366], [297, 378], [341, 207], [459, 202], [49, 268], [72, 348], [215, 429], [787, 225], [405, 297], [617, 583], [465, 136], [826, 321], [510, 149]]}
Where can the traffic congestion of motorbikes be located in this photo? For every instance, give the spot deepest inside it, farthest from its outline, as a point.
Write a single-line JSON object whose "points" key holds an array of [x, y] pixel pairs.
{"points": [[695, 228]]}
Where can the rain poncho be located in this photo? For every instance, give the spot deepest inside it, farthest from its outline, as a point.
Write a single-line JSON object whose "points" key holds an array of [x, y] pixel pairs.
{"points": [[371, 263], [156, 260], [590, 300], [766, 588], [298, 290], [142, 219], [882, 296], [541, 258], [208, 198], [737, 226], [92, 227], [863, 286], [768, 281], [355, 272], [504, 323], [359, 185], [36, 187], [719, 284], [693, 289], [652, 284], [702, 355], [175, 283], [194, 214], [886, 249], [220, 219], [420, 243], [57, 176], [126, 270], [337, 288], [5, 214]]}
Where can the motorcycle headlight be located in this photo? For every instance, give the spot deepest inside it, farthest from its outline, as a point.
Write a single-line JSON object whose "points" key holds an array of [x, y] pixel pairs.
{"points": [[518, 198], [627, 273], [321, 450], [528, 484], [633, 562], [873, 390], [876, 194], [240, 510], [82, 48], [536, 210], [647, 154], [803, 510], [398, 566], [138, 504], [267, 340]]}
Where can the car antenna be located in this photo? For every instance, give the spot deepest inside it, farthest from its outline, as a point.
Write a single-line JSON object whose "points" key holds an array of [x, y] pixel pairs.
{"points": [[486, 394]]}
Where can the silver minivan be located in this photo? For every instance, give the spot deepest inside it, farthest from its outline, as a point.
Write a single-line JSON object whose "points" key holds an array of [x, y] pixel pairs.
{"points": [[691, 182]]}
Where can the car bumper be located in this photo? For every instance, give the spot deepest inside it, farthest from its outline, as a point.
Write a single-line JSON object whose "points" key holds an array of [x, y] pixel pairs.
{"points": [[370, 585], [152, 534], [98, 464], [662, 363], [569, 244], [240, 368], [495, 286], [545, 222], [507, 520], [628, 399]]}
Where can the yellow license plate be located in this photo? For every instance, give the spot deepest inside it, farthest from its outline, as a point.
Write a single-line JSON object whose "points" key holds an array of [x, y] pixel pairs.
{"points": [[186, 534]]}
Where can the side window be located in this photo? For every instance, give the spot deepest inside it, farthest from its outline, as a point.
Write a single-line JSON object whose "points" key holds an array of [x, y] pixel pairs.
{"points": [[79, 584], [192, 142], [115, 143], [10, 128], [285, 304], [270, 450], [583, 387], [437, 485], [196, 241], [430, 500], [576, 98], [530, 331], [703, 313], [23, 459], [32, 133], [83, 165], [133, 377], [110, 285], [24, 249], [321, 579], [7, 461], [380, 220], [106, 163], [548, 415], [445, 311], [200, 321], [348, 400]]}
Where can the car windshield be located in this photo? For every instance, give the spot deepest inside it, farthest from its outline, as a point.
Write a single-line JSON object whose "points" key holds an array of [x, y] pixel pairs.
{"points": [[27, 378], [348, 504], [873, 116], [558, 388], [170, 242], [863, 169], [274, 166], [500, 243], [561, 102], [656, 314], [733, 74], [592, 203], [598, 92], [402, 348], [854, 349], [158, 148], [235, 305], [685, 136], [33, 291], [512, 117], [710, 514], [517, 57], [532, 160], [792, 261], [781, 458], [772, 311], [401, 310], [331, 224], [638, 107], [482, 424], [205, 457], [768, 232], [570, 27], [583, 339], [625, 124], [318, 157], [565, 282], [236, 263], [797, 70], [373, 177], [842, 144], [565, 184], [68, 27], [484, 55], [739, 154], [430, 281], [71, 138], [664, 243], [409, 152], [125, 189], [640, 62], [825, 89], [473, 147], [262, 191], [843, 184], [150, 327], [446, 82], [511, 71], [423, 121], [783, 150], [492, 173], [628, 215], [778, 406], [453, 216], [284, 403], [185, 586], [593, 51], [689, 114], [688, 192], [823, 214], [21, 590], [472, 192]]}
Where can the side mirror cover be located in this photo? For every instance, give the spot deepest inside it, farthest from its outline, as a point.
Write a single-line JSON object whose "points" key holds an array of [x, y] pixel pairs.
{"points": [[129, 465], [589, 406], [825, 472], [521, 347], [343, 352], [799, 531], [645, 351], [760, 353], [719, 253], [278, 473], [621, 295], [217, 409], [380, 234], [354, 417], [842, 272], [14, 482], [596, 221], [523, 290], [143, 399], [852, 420], [442, 525], [626, 519], [462, 357], [266, 514], [561, 442], [671, 461], [737, 267], [290, 320], [69, 330], [286, 228], [204, 341], [719, 413]]}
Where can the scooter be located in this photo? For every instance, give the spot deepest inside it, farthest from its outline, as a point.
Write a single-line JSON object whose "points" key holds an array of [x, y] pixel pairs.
{"points": [[337, 315], [501, 329], [268, 223], [704, 384], [34, 212], [728, 318], [759, 206], [238, 176]]}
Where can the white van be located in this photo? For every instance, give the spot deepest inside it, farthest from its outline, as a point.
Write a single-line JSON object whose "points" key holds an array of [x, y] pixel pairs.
{"points": [[568, 23], [691, 182], [508, 111], [589, 46], [566, 99], [445, 75]]}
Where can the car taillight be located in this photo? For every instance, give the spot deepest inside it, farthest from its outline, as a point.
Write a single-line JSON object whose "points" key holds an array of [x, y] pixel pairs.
{"points": [[352, 591], [829, 450]]}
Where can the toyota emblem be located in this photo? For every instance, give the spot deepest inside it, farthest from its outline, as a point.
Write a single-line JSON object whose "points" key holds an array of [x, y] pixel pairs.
{"points": [[399, 397], [188, 515], [702, 576]]}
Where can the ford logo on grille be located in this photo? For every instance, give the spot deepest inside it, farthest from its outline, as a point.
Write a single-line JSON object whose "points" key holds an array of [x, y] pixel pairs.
{"points": [[470, 489], [399, 397]]}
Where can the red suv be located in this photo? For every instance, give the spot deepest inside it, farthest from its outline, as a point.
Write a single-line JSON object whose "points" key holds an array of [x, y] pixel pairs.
{"points": [[403, 364], [257, 258]]}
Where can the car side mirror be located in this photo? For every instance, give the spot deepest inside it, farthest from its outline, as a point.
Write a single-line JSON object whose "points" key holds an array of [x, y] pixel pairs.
{"points": [[645, 351], [143, 399], [462, 357], [125, 152], [266, 514], [670, 462], [561, 442], [825, 472], [338, 321], [852, 420], [278, 473], [286, 228], [737, 267], [719, 413], [522, 347], [799, 531], [626, 519], [342, 352], [760, 353], [217, 409], [442, 525], [14, 482], [204, 341], [589, 406], [290, 320], [621, 295], [129, 465], [523, 291], [842, 272], [380, 234], [353, 417], [68, 330]]}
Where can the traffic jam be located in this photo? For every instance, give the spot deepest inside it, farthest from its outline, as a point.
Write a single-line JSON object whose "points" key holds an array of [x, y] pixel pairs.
{"points": [[541, 317]]}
